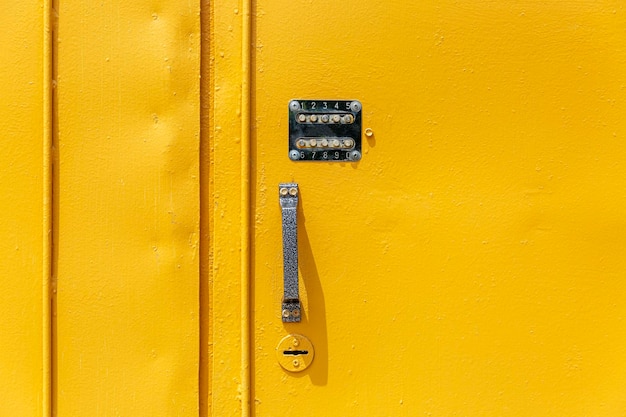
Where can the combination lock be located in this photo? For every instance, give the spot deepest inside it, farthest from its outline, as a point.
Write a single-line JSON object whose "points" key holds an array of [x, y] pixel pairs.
{"points": [[325, 130]]}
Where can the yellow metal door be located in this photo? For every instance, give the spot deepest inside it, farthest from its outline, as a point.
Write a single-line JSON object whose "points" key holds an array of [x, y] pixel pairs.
{"points": [[25, 211], [99, 121], [126, 209], [472, 262]]}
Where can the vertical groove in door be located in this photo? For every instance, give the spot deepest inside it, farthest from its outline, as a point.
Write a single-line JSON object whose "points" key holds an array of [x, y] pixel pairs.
{"points": [[245, 207], [47, 209], [52, 12], [206, 187]]}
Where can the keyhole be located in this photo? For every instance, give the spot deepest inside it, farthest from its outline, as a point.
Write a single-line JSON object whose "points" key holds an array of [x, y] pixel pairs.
{"points": [[295, 352]]}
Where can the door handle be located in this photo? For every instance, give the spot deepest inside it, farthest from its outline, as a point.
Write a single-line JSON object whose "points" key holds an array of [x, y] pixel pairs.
{"points": [[288, 198]]}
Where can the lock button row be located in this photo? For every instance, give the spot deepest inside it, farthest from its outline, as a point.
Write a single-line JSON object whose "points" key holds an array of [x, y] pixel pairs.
{"points": [[325, 118], [325, 143]]}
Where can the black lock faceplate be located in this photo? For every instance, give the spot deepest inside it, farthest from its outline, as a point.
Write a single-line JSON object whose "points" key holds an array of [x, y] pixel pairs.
{"points": [[325, 130]]}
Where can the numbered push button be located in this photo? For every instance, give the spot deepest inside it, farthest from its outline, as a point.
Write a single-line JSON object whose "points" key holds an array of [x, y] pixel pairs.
{"points": [[295, 353]]}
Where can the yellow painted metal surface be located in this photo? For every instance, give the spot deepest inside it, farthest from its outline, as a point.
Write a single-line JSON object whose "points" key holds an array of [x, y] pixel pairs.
{"points": [[23, 271], [127, 208], [227, 362], [472, 262]]}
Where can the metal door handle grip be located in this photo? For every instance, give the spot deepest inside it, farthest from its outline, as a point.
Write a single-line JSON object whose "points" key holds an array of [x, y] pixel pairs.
{"points": [[288, 197]]}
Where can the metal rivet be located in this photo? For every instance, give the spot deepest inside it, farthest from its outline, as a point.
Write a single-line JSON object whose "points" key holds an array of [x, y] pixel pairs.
{"points": [[295, 342], [285, 313], [296, 313], [283, 191], [301, 117], [313, 142], [355, 106], [335, 143], [355, 155], [325, 118], [294, 155], [324, 142], [336, 118], [296, 363], [347, 119], [313, 118], [369, 132], [294, 105], [301, 143], [347, 143], [293, 191]]}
